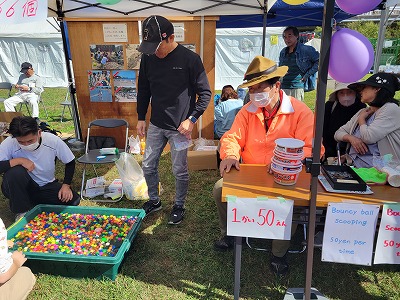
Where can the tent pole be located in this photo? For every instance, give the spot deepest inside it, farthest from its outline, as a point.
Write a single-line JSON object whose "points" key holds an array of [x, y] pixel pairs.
{"points": [[71, 83], [265, 8], [381, 37], [318, 127]]}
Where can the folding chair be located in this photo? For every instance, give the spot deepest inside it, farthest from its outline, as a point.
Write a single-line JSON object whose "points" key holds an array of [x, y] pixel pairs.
{"points": [[40, 101], [91, 155], [5, 86]]}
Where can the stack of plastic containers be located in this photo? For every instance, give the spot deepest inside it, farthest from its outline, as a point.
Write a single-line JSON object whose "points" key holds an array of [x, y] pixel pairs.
{"points": [[286, 163]]}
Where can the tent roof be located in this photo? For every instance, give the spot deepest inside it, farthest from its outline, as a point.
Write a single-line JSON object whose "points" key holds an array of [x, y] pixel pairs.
{"points": [[39, 30], [142, 8]]}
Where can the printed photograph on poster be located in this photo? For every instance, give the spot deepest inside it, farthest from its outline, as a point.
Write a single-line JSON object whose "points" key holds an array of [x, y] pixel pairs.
{"points": [[190, 46], [125, 85], [99, 86], [133, 56], [110, 57]]}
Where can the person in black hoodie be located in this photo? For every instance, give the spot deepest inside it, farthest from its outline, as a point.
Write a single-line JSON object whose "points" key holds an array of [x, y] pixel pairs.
{"points": [[342, 104]]}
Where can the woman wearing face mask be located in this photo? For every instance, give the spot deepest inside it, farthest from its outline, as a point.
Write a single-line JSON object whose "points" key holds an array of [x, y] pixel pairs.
{"points": [[269, 115], [373, 131], [27, 159], [342, 104]]}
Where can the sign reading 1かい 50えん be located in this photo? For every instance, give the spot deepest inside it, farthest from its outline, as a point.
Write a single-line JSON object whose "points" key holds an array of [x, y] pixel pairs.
{"points": [[259, 217]]}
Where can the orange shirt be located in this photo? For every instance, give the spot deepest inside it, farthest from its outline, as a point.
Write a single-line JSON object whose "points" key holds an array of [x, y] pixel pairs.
{"points": [[248, 139]]}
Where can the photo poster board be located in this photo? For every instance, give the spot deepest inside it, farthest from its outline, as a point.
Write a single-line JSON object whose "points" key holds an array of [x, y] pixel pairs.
{"points": [[349, 233], [387, 250], [99, 86], [133, 56], [260, 217], [110, 57], [125, 85]]}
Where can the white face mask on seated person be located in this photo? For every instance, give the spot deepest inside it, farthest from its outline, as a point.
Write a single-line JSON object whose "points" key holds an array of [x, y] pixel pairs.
{"points": [[346, 97], [262, 99], [29, 142]]}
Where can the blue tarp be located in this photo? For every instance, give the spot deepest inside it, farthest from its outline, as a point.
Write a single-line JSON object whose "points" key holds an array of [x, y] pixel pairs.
{"points": [[283, 14]]}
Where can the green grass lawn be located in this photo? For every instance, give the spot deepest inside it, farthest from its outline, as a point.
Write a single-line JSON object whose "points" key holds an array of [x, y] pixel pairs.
{"points": [[178, 262]]}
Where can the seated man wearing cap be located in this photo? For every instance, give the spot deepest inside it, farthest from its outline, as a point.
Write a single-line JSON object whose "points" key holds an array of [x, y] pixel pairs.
{"points": [[171, 76], [269, 115], [29, 88]]}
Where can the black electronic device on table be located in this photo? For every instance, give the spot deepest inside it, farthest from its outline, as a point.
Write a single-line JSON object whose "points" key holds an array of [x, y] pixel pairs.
{"points": [[343, 178]]}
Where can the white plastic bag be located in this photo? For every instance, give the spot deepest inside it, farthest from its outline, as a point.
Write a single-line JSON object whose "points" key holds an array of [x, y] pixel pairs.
{"points": [[133, 182], [134, 144]]}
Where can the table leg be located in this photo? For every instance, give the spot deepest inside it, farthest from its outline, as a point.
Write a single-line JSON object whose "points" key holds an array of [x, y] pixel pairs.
{"points": [[238, 263]]}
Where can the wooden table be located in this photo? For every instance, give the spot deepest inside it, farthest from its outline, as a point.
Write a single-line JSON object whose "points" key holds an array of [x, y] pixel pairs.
{"points": [[253, 180]]}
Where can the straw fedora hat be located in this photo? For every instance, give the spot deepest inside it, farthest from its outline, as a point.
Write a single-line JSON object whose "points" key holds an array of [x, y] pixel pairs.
{"points": [[262, 69]]}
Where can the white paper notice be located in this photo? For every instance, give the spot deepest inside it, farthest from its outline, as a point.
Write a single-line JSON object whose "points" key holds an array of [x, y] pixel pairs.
{"points": [[179, 32], [115, 32], [387, 249], [260, 217], [349, 233]]}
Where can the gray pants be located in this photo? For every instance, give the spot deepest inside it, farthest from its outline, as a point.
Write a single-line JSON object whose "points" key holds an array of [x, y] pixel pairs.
{"points": [[156, 140], [296, 93], [279, 247]]}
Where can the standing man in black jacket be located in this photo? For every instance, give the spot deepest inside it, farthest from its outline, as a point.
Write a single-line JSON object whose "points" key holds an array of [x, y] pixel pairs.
{"points": [[171, 76]]}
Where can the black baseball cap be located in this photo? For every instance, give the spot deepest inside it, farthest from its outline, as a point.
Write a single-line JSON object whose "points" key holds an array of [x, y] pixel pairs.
{"points": [[25, 66], [155, 29]]}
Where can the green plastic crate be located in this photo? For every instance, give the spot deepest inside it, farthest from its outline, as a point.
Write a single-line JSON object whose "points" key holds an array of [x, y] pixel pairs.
{"points": [[69, 265]]}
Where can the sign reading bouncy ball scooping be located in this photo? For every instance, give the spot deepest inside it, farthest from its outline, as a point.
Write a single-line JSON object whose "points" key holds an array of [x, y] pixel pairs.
{"points": [[351, 56], [349, 233]]}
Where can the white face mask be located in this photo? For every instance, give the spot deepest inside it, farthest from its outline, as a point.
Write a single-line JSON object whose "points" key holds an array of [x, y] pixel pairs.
{"points": [[346, 100], [30, 147], [261, 99]]}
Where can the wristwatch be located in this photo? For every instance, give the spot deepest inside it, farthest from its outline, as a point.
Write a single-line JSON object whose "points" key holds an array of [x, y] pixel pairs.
{"points": [[192, 119]]}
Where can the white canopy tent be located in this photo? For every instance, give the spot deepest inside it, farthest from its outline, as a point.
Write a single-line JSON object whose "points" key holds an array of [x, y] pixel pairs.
{"points": [[41, 44], [236, 47]]}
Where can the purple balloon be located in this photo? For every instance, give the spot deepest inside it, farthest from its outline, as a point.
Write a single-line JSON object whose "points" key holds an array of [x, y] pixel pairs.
{"points": [[356, 7], [351, 56]]}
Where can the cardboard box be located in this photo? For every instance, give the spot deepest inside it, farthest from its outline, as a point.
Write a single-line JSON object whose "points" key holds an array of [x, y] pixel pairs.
{"points": [[5, 119], [202, 160]]}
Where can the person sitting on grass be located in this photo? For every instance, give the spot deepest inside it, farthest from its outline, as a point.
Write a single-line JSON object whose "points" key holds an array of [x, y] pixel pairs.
{"points": [[28, 160], [16, 281], [269, 115]]}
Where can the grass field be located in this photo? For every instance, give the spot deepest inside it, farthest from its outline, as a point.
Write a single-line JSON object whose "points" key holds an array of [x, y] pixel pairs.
{"points": [[178, 262]]}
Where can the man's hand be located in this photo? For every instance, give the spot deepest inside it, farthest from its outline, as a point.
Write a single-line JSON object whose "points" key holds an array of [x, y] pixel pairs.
{"points": [[186, 128], [141, 128], [26, 163], [227, 164], [65, 194]]}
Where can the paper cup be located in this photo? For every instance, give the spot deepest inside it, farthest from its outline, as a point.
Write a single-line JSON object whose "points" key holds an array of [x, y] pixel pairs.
{"points": [[285, 178], [289, 145]]}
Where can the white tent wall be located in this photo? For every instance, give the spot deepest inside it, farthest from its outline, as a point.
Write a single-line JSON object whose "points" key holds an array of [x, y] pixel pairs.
{"points": [[236, 47], [39, 43]]}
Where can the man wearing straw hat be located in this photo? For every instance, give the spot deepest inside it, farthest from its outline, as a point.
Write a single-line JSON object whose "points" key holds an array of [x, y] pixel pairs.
{"points": [[269, 115]]}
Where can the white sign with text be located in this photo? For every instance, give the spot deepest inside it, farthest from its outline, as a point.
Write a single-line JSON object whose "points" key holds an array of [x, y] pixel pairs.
{"points": [[179, 32], [349, 233], [115, 32], [387, 249], [16, 12], [260, 217]]}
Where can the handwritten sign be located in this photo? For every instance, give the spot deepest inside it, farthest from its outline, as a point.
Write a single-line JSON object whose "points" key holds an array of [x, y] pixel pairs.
{"points": [[15, 12], [349, 233], [115, 33], [387, 249], [260, 217]]}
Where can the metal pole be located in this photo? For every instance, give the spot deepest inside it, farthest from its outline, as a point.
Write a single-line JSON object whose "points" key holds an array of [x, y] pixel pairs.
{"points": [[319, 121], [71, 83], [381, 38], [264, 26]]}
